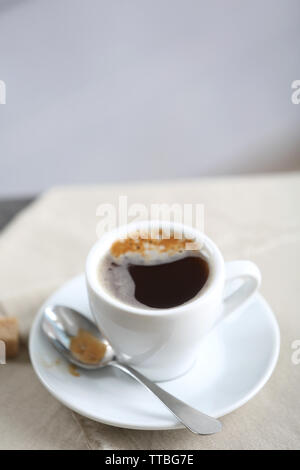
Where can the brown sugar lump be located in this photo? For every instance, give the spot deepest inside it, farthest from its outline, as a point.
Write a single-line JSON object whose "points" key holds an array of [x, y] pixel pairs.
{"points": [[9, 333]]}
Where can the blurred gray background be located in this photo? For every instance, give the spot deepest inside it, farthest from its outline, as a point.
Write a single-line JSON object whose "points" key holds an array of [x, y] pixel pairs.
{"points": [[121, 90]]}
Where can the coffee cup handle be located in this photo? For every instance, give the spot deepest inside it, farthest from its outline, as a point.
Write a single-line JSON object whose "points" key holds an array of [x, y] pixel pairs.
{"points": [[250, 277]]}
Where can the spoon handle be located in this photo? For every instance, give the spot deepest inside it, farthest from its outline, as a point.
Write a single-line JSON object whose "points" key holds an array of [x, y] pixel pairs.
{"points": [[194, 420]]}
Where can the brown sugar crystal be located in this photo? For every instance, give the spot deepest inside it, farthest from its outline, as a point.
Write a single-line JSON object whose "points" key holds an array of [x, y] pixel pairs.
{"points": [[139, 244], [87, 348], [9, 333], [73, 371]]}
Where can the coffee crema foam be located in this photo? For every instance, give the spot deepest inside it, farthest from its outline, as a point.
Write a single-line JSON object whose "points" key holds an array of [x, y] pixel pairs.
{"points": [[116, 268]]}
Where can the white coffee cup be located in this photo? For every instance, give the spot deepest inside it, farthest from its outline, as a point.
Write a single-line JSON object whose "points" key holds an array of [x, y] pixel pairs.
{"points": [[163, 343]]}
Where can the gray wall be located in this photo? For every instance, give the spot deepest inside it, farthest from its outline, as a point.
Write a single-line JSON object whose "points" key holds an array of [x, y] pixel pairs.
{"points": [[115, 90]]}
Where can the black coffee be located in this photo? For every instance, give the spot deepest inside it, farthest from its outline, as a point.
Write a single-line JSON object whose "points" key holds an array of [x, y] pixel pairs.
{"points": [[161, 285], [170, 284]]}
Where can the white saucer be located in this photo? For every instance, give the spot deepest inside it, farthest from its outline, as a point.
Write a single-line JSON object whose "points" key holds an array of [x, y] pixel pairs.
{"points": [[235, 362]]}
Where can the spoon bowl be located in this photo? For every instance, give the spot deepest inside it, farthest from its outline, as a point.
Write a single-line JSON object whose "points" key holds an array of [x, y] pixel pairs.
{"points": [[60, 324]]}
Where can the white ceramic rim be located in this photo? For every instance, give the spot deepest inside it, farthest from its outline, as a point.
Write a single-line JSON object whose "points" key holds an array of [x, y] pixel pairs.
{"points": [[101, 247]]}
